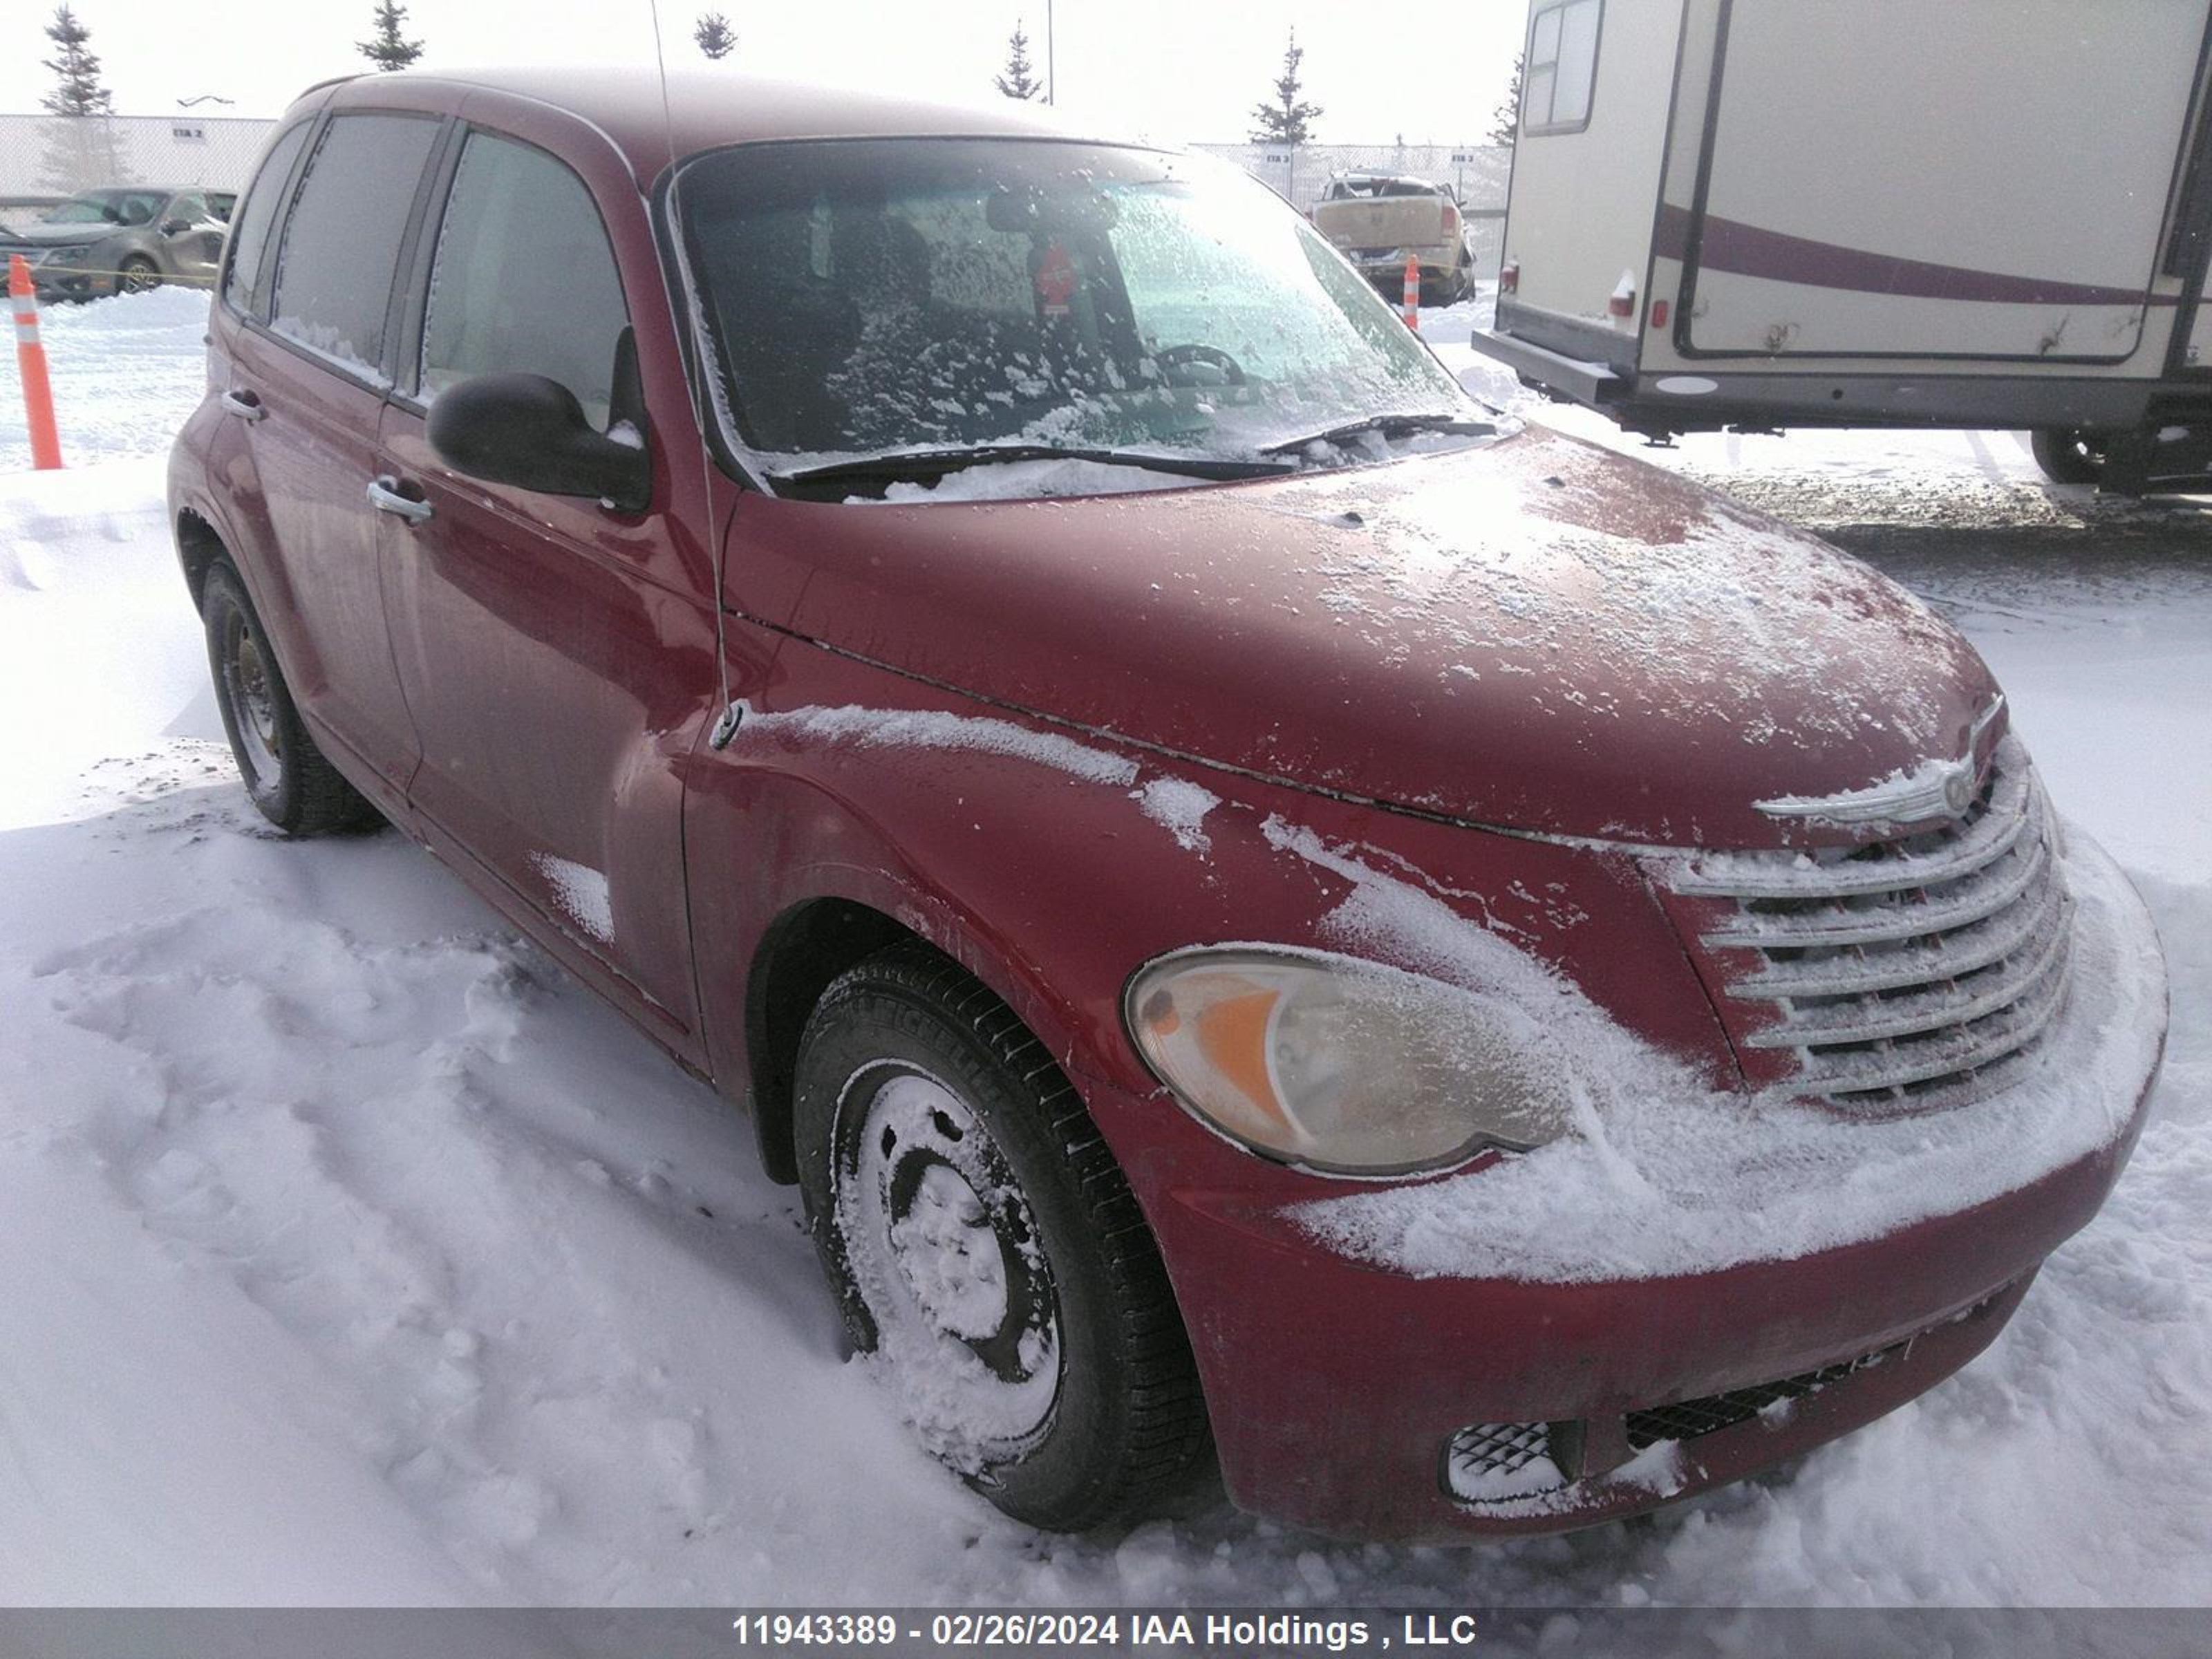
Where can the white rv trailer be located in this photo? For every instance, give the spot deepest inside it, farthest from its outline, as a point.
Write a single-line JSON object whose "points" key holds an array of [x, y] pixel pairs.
{"points": [[1760, 214]]}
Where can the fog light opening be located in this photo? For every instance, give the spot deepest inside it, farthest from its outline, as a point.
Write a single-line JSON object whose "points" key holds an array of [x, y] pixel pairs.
{"points": [[1499, 1463]]}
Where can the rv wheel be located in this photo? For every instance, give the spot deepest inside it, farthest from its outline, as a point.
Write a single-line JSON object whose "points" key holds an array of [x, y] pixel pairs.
{"points": [[2068, 456]]}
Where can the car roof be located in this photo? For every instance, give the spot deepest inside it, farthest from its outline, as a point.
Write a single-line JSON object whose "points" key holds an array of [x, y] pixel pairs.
{"points": [[705, 108]]}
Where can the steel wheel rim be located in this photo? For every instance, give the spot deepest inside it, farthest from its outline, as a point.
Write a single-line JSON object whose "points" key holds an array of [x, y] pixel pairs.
{"points": [[944, 1252], [252, 698], [138, 279]]}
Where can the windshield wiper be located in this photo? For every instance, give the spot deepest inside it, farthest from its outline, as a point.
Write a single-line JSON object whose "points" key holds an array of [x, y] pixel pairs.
{"points": [[936, 462], [1390, 426]]}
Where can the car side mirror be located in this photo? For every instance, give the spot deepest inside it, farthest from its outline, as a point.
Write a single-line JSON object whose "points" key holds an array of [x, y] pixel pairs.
{"points": [[175, 227], [530, 432]]}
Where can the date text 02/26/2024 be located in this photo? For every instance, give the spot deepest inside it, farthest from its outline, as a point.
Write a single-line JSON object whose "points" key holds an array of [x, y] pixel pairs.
{"points": [[1009, 1629]]}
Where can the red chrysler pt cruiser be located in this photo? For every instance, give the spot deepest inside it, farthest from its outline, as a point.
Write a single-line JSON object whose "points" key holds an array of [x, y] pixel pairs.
{"points": [[1275, 915]]}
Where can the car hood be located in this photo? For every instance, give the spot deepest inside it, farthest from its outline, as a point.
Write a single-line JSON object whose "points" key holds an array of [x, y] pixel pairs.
{"points": [[1536, 634], [42, 235]]}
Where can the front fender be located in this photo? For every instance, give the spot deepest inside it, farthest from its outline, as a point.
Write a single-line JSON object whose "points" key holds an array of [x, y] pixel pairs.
{"points": [[1053, 863]]}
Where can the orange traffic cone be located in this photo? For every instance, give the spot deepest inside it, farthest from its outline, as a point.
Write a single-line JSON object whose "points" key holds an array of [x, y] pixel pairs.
{"points": [[37, 394], [1412, 313]]}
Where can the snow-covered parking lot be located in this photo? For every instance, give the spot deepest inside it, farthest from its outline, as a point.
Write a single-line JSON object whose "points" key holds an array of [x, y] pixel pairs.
{"points": [[353, 1255]]}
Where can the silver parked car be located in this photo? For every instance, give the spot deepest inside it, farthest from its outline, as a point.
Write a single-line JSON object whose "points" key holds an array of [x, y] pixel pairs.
{"points": [[123, 240]]}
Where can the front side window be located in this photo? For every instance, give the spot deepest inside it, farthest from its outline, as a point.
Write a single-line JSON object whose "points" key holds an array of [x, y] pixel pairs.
{"points": [[868, 297], [249, 241], [342, 238], [524, 278], [191, 207], [1562, 71], [124, 208]]}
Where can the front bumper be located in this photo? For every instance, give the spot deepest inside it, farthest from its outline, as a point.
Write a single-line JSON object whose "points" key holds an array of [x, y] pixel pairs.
{"points": [[1337, 1385], [73, 279]]}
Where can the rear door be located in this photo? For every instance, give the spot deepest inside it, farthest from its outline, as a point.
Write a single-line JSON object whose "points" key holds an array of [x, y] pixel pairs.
{"points": [[555, 672], [307, 379]]}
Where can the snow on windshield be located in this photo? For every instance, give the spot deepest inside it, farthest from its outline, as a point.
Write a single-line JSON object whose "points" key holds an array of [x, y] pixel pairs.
{"points": [[879, 296]]}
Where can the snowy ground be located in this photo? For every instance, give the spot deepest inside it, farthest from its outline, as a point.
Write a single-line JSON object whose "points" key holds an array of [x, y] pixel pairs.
{"points": [[354, 1255]]}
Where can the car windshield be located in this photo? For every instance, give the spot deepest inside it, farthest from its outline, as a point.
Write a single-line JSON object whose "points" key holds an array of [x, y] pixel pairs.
{"points": [[868, 297], [109, 206]]}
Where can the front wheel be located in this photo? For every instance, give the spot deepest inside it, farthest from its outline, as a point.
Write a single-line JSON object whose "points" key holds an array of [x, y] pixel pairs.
{"points": [[137, 275], [986, 1250], [2068, 456]]}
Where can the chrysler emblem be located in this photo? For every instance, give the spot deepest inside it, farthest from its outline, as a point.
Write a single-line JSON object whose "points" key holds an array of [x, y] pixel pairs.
{"points": [[1931, 790], [1958, 788]]}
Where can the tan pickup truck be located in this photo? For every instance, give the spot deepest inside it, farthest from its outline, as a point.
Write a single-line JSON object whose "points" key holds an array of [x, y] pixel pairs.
{"points": [[1377, 219]]}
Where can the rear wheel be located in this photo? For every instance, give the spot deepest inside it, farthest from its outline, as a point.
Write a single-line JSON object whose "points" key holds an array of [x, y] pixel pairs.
{"points": [[2068, 456], [137, 274], [987, 1250], [289, 781]]}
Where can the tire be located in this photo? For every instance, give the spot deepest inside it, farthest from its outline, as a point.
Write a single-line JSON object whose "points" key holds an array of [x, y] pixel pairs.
{"points": [[137, 275], [2068, 456], [1049, 1367], [285, 775]]}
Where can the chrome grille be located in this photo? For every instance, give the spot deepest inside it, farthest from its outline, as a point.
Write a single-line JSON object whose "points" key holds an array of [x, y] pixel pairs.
{"points": [[1905, 974]]}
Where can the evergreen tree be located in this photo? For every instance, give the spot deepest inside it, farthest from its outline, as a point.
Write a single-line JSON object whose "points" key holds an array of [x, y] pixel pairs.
{"points": [[1290, 118], [1019, 81], [387, 50], [714, 35], [76, 72], [1505, 124], [79, 154]]}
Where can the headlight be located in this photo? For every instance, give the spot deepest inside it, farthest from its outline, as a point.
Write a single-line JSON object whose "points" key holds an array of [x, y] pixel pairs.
{"points": [[1335, 1064]]}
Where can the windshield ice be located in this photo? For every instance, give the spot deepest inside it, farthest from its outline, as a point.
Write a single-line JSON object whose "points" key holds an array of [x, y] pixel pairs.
{"points": [[869, 297]]}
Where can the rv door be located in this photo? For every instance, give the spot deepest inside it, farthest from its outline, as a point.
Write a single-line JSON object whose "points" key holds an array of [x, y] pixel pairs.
{"points": [[1984, 178]]}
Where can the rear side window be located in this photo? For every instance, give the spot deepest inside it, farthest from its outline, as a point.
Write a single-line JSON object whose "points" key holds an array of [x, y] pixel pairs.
{"points": [[523, 279], [342, 239], [1562, 69], [249, 239]]}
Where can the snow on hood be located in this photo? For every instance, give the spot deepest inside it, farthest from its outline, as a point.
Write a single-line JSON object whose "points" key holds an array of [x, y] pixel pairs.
{"points": [[1536, 634]]}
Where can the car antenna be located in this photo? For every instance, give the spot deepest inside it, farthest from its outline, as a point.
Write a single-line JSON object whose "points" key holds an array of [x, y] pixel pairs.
{"points": [[730, 713]]}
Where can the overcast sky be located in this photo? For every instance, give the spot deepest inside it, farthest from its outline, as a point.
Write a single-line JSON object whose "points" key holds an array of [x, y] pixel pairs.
{"points": [[1170, 71]]}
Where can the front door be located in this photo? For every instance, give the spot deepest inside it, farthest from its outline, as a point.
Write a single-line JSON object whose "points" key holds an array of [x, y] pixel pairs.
{"points": [[558, 675], [191, 237]]}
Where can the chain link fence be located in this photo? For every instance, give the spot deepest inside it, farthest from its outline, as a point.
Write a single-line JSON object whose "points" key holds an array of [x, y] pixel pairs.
{"points": [[1479, 173], [44, 158]]}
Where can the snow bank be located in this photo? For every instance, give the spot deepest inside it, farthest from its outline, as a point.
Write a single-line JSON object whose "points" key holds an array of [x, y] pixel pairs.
{"points": [[125, 372]]}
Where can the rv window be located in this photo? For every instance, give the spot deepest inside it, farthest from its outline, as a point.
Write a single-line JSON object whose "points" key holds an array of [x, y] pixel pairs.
{"points": [[1562, 69]]}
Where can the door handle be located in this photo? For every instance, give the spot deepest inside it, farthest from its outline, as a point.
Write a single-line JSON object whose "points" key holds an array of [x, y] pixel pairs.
{"points": [[384, 495], [243, 404]]}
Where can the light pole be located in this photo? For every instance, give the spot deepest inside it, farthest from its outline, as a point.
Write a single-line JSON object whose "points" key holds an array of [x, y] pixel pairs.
{"points": [[1051, 78]]}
